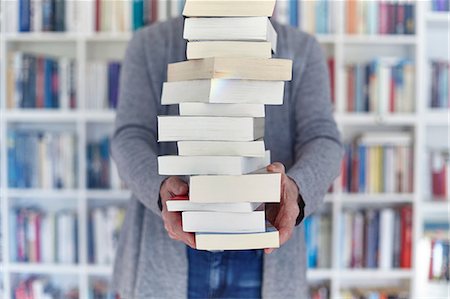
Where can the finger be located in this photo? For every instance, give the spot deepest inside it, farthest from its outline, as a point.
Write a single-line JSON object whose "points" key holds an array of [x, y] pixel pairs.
{"points": [[276, 167], [186, 237], [180, 188], [285, 234], [269, 250]]}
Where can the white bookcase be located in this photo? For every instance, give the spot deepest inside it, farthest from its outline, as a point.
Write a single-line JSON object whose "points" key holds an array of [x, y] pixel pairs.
{"points": [[85, 47]]}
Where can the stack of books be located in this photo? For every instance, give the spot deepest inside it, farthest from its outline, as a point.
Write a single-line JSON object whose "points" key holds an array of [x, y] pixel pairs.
{"points": [[439, 171], [220, 128], [379, 162], [377, 238]]}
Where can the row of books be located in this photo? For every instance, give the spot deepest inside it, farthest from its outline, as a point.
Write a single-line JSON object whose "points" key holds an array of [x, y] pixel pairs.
{"points": [[439, 261], [100, 289], [379, 162], [37, 81], [311, 16], [377, 238], [376, 293], [41, 159], [318, 240], [102, 84], [102, 172], [43, 237], [440, 5], [42, 287], [88, 16], [103, 233], [380, 86], [440, 167], [439, 84], [380, 17]]}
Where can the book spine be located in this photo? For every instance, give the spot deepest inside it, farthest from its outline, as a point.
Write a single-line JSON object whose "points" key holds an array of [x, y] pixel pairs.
{"points": [[406, 237], [24, 15]]}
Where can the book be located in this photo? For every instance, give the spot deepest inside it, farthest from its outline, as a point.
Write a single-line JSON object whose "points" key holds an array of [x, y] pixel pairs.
{"points": [[439, 172], [184, 128], [229, 29], [386, 238], [240, 49], [184, 204], [206, 109], [223, 222], [210, 241], [231, 68], [210, 165], [226, 8], [223, 91], [253, 187], [221, 148]]}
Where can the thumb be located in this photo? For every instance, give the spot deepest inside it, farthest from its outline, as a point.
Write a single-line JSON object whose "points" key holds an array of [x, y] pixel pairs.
{"points": [[276, 167], [180, 188]]}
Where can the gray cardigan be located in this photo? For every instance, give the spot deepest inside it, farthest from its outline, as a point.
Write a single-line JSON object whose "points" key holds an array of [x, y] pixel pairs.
{"points": [[301, 134]]}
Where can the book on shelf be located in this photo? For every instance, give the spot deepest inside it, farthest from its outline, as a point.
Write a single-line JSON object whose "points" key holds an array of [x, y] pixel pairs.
{"points": [[379, 162], [319, 291], [318, 241], [256, 29], [100, 288], [42, 286], [104, 226], [224, 222], [192, 128], [223, 91], [380, 17], [43, 237], [37, 81], [436, 229], [226, 8], [39, 159], [384, 85], [231, 68], [210, 165], [218, 241], [182, 203], [439, 84], [374, 292], [377, 238], [439, 172], [102, 172], [440, 5], [207, 49], [439, 260], [102, 84], [222, 148], [206, 109]]}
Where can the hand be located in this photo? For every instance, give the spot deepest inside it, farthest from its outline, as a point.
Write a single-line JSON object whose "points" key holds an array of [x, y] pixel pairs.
{"points": [[174, 186], [283, 215]]}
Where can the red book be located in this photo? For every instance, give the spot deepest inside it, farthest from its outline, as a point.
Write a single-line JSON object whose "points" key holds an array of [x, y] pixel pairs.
{"points": [[154, 11], [344, 172], [37, 226], [350, 89], [40, 82], [97, 15], [406, 236], [180, 197], [331, 71]]}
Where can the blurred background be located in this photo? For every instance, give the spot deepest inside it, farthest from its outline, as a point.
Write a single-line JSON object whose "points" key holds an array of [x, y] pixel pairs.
{"points": [[384, 227]]}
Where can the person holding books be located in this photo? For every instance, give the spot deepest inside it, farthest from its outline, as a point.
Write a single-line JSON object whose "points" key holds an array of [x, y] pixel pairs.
{"points": [[152, 259]]}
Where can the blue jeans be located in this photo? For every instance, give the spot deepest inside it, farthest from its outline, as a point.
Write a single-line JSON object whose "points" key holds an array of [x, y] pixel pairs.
{"points": [[225, 274]]}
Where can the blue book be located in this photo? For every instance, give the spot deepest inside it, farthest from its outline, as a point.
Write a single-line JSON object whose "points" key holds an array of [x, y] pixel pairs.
{"points": [[47, 83], [362, 168], [310, 240], [24, 15], [47, 13], [373, 17], [138, 14], [20, 160], [293, 13], [12, 159]]}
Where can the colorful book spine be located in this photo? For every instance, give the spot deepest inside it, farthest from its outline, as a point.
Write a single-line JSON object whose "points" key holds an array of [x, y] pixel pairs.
{"points": [[439, 168]]}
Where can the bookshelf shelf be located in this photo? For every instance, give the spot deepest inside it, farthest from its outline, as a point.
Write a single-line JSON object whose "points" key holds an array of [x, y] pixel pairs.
{"points": [[115, 195], [102, 270], [375, 274], [438, 17], [41, 115], [42, 193], [380, 39], [319, 274], [375, 119], [368, 198], [440, 117], [41, 37], [436, 209], [43, 268]]}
